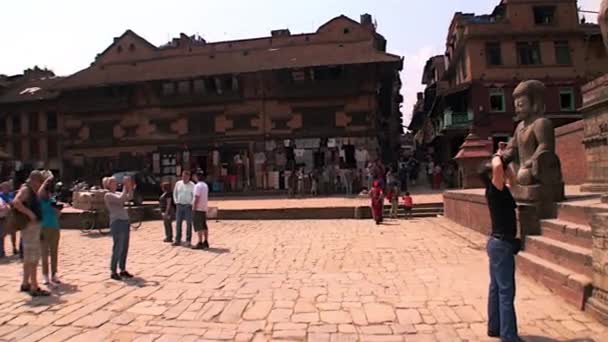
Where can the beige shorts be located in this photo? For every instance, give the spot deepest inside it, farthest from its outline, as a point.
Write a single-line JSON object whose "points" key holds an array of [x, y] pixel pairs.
{"points": [[30, 236]]}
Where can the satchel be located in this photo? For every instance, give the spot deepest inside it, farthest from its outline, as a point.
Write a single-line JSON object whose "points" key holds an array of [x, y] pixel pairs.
{"points": [[16, 220]]}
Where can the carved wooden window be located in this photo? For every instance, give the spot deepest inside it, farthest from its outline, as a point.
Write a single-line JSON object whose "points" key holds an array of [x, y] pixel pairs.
{"points": [[566, 99], [528, 53], [497, 100], [199, 86], [493, 53], [33, 122], [242, 122], [168, 88], [183, 87], [101, 130], [319, 118], [562, 53], [51, 121], [16, 124], [280, 123], [201, 123], [544, 15], [359, 118]]}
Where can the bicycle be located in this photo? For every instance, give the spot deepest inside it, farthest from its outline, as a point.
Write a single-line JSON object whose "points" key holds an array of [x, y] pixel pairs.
{"points": [[89, 223]]}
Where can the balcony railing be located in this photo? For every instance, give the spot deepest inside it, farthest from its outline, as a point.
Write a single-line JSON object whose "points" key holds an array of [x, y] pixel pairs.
{"points": [[457, 120], [328, 88], [194, 99]]}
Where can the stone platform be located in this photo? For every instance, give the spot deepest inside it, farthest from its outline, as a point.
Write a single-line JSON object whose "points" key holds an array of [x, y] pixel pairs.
{"points": [[560, 257], [427, 204]]}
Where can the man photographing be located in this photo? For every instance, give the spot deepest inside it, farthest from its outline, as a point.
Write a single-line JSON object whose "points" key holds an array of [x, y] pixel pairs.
{"points": [[502, 247]]}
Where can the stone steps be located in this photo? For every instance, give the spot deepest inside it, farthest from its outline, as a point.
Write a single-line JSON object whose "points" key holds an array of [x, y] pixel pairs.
{"points": [[568, 232], [567, 255], [574, 287]]}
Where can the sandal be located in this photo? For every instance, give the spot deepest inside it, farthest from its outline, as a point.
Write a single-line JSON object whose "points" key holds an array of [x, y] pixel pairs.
{"points": [[25, 288], [39, 293]]}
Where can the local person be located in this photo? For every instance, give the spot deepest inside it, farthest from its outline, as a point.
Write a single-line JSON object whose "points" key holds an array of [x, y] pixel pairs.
{"points": [[26, 202], [119, 224], [408, 204], [4, 208], [377, 201], [502, 247], [49, 239], [167, 210], [199, 207], [183, 197]]}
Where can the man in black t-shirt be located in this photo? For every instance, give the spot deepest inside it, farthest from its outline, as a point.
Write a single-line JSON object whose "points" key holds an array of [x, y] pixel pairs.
{"points": [[502, 247]]}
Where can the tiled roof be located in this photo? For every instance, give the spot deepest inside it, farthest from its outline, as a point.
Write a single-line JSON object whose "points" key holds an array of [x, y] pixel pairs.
{"points": [[31, 90], [230, 62]]}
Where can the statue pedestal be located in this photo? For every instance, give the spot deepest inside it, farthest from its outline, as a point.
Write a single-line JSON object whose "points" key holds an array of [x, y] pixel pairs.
{"points": [[595, 121], [598, 303], [543, 198]]}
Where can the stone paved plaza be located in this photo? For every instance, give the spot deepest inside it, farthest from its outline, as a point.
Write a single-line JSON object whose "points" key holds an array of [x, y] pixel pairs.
{"points": [[422, 280]]}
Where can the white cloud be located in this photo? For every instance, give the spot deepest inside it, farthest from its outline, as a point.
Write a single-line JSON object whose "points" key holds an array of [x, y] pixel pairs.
{"points": [[412, 75]]}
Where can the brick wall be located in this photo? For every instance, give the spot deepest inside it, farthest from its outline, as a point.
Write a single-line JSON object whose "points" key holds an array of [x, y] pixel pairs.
{"points": [[571, 151], [468, 208]]}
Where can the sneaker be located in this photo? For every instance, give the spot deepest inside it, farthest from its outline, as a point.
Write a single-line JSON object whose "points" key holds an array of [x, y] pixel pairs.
{"points": [[115, 276], [176, 243], [206, 244], [493, 334], [25, 288], [168, 240], [187, 244], [126, 274], [199, 245], [46, 280], [39, 293]]}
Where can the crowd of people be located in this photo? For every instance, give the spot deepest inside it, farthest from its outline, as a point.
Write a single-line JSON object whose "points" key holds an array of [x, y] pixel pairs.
{"points": [[33, 212]]}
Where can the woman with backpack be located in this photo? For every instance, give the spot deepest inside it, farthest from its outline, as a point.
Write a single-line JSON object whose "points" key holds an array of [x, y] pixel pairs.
{"points": [[27, 207]]}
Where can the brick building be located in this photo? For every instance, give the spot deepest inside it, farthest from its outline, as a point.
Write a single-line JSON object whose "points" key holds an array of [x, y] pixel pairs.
{"points": [[488, 55], [29, 126], [245, 111]]}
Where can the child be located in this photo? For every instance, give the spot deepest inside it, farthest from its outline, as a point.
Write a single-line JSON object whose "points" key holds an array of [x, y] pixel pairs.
{"points": [[376, 195], [408, 203], [167, 210]]}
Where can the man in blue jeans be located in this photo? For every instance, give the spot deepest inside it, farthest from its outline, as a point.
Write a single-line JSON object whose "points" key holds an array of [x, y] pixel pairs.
{"points": [[502, 247], [183, 195]]}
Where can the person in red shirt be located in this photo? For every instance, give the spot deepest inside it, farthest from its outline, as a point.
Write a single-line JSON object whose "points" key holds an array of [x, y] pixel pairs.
{"points": [[408, 203], [377, 197]]}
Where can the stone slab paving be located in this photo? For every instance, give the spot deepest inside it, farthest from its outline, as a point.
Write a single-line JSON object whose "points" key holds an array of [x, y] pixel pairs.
{"points": [[345, 280]]}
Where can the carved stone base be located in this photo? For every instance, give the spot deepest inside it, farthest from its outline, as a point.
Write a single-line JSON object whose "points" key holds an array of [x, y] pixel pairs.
{"points": [[597, 306], [528, 219], [535, 193]]}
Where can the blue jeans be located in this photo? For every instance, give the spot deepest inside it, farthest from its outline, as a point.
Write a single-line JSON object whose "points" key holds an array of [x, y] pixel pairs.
{"points": [[501, 309], [120, 236], [184, 212]]}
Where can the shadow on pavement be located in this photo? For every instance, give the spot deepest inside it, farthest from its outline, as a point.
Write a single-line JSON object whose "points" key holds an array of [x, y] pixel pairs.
{"points": [[45, 301], [95, 234], [217, 250], [140, 282], [548, 339], [63, 289]]}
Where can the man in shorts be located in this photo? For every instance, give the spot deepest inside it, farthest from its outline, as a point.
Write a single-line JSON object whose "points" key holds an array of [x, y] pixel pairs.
{"points": [[199, 210]]}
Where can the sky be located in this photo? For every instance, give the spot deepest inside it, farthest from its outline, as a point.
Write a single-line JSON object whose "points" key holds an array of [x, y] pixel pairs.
{"points": [[66, 35]]}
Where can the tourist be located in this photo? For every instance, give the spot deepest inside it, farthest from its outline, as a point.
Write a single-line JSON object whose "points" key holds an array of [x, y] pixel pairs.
{"points": [[167, 210], [502, 247], [26, 202], [300, 181], [183, 197], [408, 204], [4, 208], [413, 170], [348, 181], [49, 239], [377, 199], [119, 224], [314, 183], [199, 207], [430, 170], [394, 200], [7, 196]]}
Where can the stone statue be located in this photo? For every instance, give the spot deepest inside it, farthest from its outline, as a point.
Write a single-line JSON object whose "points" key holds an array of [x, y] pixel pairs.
{"points": [[532, 149], [603, 21]]}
